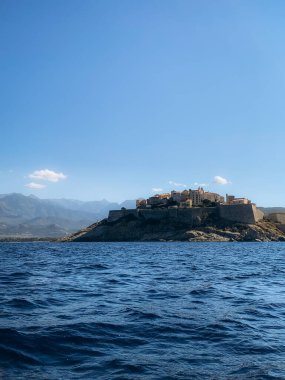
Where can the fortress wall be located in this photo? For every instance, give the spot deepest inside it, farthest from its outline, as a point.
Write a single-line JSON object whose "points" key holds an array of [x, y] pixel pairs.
{"points": [[247, 214], [114, 215], [183, 215], [195, 216], [157, 214], [191, 216], [243, 213], [258, 214], [117, 214], [173, 212], [277, 217]]}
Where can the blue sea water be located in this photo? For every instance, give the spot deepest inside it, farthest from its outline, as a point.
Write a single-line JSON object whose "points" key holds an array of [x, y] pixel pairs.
{"points": [[142, 311]]}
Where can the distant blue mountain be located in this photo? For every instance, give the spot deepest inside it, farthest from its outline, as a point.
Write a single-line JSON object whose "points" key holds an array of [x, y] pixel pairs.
{"points": [[29, 216], [270, 210]]}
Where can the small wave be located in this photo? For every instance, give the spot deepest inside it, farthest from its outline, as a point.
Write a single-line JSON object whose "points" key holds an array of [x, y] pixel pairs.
{"points": [[15, 348], [141, 314], [20, 303], [95, 267], [10, 355], [116, 364], [201, 291], [19, 274]]}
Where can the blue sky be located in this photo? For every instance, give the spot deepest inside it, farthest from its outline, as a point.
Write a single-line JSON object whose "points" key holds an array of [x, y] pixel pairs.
{"points": [[120, 97]]}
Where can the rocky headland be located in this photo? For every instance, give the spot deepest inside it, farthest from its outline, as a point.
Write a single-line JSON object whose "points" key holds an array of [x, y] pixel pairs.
{"points": [[131, 228]]}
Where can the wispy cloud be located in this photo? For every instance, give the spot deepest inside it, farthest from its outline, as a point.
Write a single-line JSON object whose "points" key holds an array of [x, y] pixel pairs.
{"points": [[35, 186], [176, 184], [221, 180], [201, 184], [47, 175], [157, 189]]}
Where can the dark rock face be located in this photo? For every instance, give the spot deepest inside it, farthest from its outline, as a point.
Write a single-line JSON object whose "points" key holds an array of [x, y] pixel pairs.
{"points": [[131, 228]]}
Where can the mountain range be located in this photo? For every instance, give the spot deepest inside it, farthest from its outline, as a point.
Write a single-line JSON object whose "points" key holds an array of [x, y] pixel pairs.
{"points": [[29, 216]]}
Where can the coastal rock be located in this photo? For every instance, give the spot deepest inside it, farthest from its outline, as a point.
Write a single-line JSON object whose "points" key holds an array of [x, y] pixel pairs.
{"points": [[134, 229], [205, 236]]}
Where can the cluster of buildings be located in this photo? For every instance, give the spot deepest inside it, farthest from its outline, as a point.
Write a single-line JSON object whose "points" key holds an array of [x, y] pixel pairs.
{"points": [[189, 198], [232, 200]]}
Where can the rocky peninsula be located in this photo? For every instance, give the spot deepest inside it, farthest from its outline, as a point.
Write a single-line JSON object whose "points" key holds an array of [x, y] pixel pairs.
{"points": [[208, 228], [190, 215]]}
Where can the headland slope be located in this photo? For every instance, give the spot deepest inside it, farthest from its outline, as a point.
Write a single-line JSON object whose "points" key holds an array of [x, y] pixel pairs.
{"points": [[221, 223]]}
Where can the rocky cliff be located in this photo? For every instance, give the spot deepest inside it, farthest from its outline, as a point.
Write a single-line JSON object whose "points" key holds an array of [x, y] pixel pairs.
{"points": [[130, 228]]}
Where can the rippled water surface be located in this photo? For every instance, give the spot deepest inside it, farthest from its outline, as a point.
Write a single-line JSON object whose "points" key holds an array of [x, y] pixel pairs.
{"points": [[142, 311]]}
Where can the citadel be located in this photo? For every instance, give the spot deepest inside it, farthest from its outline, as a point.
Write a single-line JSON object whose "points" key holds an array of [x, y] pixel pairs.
{"points": [[189, 215], [189, 198], [191, 207]]}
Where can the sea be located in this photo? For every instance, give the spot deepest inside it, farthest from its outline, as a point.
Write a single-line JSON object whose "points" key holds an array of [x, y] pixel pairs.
{"points": [[142, 311]]}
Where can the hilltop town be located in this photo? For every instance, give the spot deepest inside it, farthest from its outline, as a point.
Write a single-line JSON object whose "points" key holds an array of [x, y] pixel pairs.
{"points": [[189, 215], [187, 199]]}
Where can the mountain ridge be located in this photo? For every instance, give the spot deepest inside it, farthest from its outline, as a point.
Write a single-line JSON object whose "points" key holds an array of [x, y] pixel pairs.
{"points": [[30, 216]]}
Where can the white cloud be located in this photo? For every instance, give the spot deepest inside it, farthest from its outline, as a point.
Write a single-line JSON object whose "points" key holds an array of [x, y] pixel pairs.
{"points": [[177, 184], [35, 186], [47, 175], [220, 180], [157, 189], [201, 184]]}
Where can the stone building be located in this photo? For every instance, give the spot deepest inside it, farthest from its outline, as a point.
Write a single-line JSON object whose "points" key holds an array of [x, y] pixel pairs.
{"points": [[187, 198], [197, 196], [157, 200], [232, 200], [178, 196], [186, 204], [213, 197], [141, 202]]}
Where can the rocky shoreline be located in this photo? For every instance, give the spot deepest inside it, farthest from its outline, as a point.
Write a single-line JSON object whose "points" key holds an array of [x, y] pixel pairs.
{"points": [[133, 229]]}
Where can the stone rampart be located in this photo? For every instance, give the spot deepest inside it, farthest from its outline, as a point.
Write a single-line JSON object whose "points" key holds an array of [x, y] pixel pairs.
{"points": [[247, 214], [243, 213], [277, 217], [192, 216], [258, 214], [118, 214]]}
